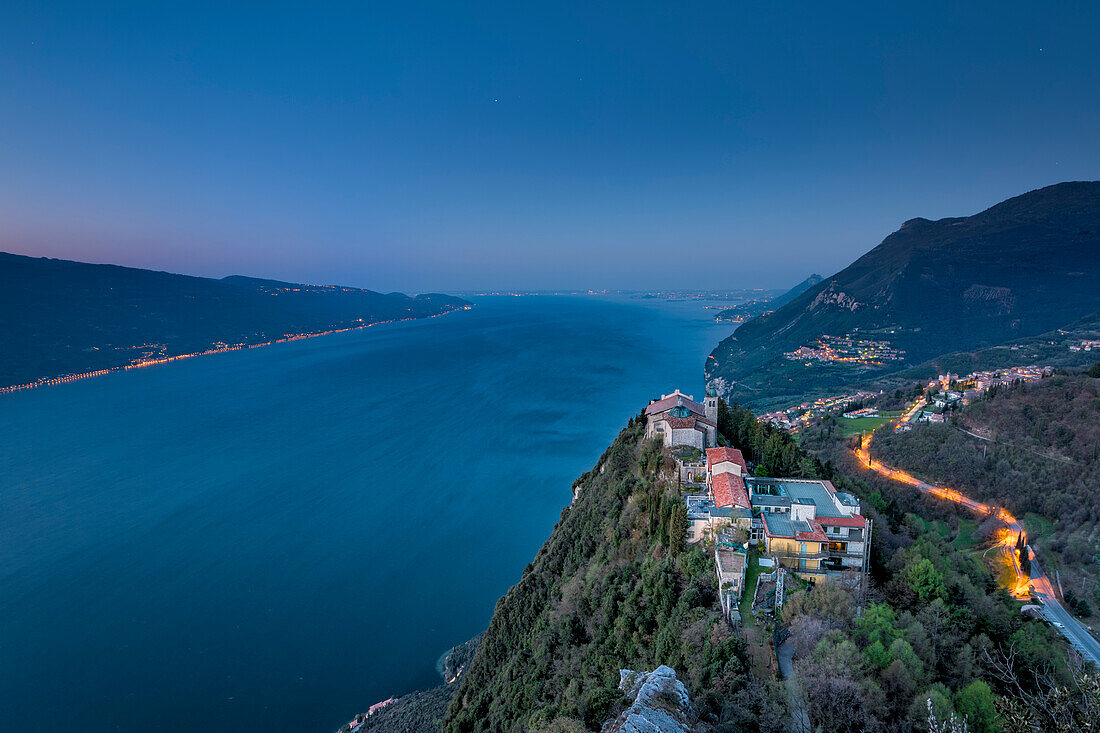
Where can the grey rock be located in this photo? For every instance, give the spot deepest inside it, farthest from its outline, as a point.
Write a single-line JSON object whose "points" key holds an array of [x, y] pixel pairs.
{"points": [[661, 704]]}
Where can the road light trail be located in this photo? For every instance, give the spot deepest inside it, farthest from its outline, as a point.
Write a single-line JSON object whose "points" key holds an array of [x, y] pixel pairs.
{"points": [[1008, 537]]}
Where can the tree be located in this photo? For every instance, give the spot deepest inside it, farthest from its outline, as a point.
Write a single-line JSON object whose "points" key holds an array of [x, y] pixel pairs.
{"points": [[877, 625], [838, 703], [951, 724], [829, 602], [876, 656], [927, 582], [1023, 554], [976, 702], [759, 707], [1044, 702], [677, 527], [940, 698], [901, 651]]}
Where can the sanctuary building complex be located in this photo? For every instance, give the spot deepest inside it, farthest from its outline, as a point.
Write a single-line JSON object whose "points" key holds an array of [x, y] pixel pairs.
{"points": [[803, 525]]}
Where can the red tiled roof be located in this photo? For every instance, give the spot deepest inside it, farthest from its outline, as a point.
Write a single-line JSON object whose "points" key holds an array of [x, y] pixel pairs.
{"points": [[718, 455], [678, 423], [671, 401], [817, 535], [729, 490], [852, 521]]}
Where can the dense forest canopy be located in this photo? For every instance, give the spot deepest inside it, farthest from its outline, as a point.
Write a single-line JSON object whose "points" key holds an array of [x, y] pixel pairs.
{"points": [[1038, 454], [614, 587]]}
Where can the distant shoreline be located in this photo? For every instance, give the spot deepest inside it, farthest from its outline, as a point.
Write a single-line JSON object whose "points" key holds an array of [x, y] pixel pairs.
{"points": [[67, 378]]}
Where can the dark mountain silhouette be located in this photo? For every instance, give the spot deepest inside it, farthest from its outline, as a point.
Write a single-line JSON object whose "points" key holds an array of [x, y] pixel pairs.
{"points": [[745, 311], [1023, 267], [60, 317]]}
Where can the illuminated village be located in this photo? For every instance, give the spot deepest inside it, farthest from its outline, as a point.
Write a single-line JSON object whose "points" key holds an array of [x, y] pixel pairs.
{"points": [[943, 394], [848, 350]]}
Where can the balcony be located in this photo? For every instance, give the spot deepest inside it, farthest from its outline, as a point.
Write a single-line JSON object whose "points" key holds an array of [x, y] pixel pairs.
{"points": [[807, 556]]}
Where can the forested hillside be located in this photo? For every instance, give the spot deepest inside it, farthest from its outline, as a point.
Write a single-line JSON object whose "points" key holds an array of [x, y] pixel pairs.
{"points": [[614, 588], [1042, 457], [60, 317]]}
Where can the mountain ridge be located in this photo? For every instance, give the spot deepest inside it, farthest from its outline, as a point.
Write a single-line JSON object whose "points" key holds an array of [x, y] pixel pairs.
{"points": [[1021, 267], [63, 317]]}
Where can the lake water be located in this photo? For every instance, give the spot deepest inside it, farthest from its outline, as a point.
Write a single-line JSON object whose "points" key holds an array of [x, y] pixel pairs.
{"points": [[277, 538]]}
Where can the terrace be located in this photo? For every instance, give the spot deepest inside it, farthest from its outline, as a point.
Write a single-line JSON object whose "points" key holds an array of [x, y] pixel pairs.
{"points": [[801, 491]]}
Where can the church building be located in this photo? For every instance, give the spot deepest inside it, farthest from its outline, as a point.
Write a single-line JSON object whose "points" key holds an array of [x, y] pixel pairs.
{"points": [[677, 419]]}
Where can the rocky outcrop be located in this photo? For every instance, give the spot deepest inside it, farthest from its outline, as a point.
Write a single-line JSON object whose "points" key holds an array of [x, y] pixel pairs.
{"points": [[661, 704], [831, 297]]}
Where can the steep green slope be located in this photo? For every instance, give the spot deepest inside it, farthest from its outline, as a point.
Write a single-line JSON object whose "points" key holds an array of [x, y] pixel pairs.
{"points": [[1020, 268], [608, 590], [61, 317]]}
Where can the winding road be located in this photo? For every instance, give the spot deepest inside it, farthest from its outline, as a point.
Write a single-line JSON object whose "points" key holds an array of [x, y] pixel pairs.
{"points": [[1076, 634]]}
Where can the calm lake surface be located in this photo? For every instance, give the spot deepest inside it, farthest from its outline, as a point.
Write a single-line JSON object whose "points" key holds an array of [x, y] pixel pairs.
{"points": [[277, 538]]}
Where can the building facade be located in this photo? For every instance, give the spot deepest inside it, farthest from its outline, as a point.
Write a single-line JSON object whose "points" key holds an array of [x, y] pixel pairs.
{"points": [[678, 420], [810, 527]]}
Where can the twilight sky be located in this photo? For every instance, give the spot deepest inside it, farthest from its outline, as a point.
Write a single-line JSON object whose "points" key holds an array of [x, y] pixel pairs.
{"points": [[444, 146]]}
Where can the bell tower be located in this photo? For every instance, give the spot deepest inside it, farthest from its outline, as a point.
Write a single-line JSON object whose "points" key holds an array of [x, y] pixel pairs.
{"points": [[710, 403], [710, 407]]}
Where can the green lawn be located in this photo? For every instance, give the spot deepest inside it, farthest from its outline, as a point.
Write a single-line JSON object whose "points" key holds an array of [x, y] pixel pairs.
{"points": [[940, 527], [1003, 569], [1036, 525], [751, 573], [858, 425], [965, 540]]}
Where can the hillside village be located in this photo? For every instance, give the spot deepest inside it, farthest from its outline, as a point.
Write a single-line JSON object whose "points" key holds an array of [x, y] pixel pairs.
{"points": [[942, 394], [795, 526]]}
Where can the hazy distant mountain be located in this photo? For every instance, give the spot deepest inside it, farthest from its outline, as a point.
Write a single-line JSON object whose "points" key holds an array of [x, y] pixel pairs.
{"points": [[742, 313], [61, 317], [1025, 266]]}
